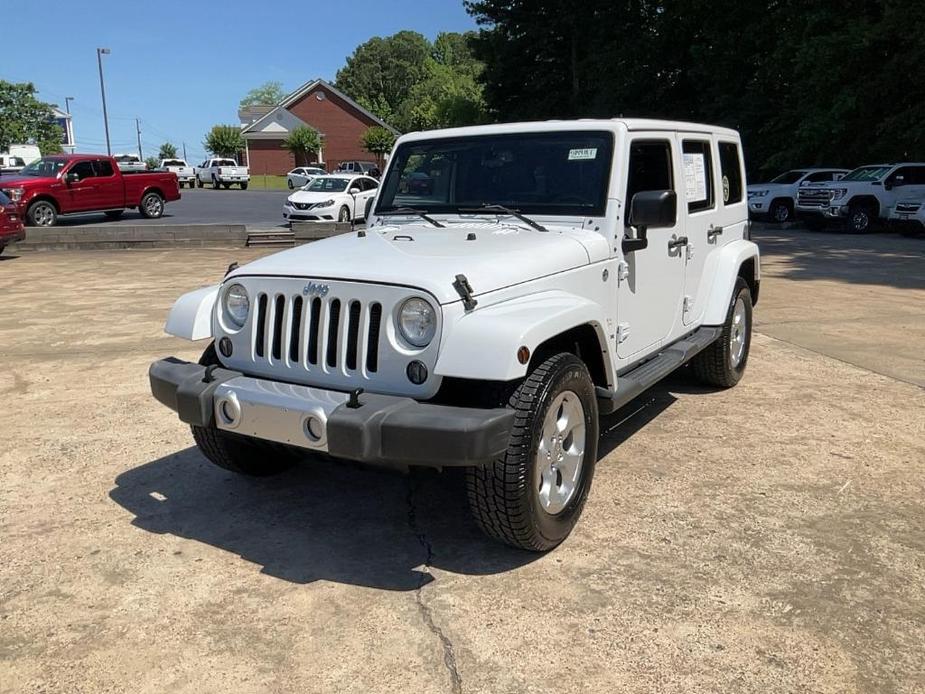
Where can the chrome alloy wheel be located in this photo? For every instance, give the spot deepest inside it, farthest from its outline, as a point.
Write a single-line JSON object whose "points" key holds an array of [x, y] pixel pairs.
{"points": [[153, 206], [561, 452], [738, 334], [43, 214]]}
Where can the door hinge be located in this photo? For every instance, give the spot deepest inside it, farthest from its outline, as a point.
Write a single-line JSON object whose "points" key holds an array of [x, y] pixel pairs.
{"points": [[686, 305], [689, 248], [623, 271], [623, 332]]}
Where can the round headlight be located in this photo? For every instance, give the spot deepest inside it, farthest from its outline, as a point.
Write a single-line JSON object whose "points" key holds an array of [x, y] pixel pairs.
{"points": [[417, 322], [236, 305]]}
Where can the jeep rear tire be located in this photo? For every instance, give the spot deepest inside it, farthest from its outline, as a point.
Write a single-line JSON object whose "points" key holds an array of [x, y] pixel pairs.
{"points": [[532, 497], [723, 363], [240, 454]]}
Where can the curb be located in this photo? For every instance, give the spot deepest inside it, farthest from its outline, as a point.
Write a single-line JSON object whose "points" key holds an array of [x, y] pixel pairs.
{"points": [[91, 237]]}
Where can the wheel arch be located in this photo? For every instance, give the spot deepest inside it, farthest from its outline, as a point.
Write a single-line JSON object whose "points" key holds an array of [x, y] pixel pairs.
{"points": [[152, 189], [44, 197], [191, 315], [868, 201], [484, 343], [737, 259]]}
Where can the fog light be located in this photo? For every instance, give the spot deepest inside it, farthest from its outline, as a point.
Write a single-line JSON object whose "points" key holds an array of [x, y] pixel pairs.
{"points": [[225, 347], [314, 430], [417, 372]]}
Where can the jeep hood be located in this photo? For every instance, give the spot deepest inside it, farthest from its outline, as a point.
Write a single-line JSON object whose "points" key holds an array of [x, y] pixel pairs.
{"points": [[419, 255]]}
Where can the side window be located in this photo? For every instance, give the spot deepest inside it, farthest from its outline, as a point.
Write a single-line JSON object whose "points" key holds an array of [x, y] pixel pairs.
{"points": [[915, 176], [901, 176], [649, 167], [698, 175], [731, 171], [371, 184], [83, 169], [103, 167]]}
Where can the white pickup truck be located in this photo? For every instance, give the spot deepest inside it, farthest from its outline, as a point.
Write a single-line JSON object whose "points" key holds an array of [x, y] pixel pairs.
{"points": [[222, 172], [861, 197], [185, 173], [549, 274], [129, 163]]}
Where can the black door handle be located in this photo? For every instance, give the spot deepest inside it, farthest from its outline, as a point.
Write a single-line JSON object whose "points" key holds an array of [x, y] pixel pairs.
{"points": [[676, 243]]}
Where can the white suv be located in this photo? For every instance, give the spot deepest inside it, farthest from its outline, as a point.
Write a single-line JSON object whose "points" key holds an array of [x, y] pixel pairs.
{"points": [[862, 196], [548, 274], [775, 201]]}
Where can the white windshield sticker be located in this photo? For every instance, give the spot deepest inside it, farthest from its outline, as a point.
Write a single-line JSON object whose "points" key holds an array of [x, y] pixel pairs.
{"points": [[695, 177], [576, 154]]}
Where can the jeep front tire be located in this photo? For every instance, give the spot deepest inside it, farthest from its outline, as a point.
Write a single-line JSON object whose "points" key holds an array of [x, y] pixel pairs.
{"points": [[532, 497], [240, 454]]}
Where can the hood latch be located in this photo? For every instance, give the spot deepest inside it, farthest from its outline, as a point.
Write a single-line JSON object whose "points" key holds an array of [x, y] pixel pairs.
{"points": [[462, 287]]}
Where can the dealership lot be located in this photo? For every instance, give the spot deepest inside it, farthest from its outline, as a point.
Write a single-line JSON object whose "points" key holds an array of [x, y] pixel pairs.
{"points": [[260, 209], [767, 538]]}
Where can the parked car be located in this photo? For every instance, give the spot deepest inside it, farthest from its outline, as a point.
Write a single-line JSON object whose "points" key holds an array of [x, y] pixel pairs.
{"points": [[776, 200], [337, 197], [366, 168], [467, 333], [130, 163], [302, 175], [11, 228], [222, 172], [70, 183], [28, 153], [862, 197], [178, 167], [10, 163], [908, 216]]}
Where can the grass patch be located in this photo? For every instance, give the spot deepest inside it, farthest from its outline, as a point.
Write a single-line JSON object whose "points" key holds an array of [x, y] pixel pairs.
{"points": [[264, 182]]}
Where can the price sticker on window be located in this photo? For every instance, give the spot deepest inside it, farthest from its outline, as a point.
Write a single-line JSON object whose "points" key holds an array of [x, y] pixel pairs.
{"points": [[582, 154]]}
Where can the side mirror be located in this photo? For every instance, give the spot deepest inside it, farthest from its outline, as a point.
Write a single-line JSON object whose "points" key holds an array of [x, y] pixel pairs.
{"points": [[354, 191], [72, 178], [650, 208]]}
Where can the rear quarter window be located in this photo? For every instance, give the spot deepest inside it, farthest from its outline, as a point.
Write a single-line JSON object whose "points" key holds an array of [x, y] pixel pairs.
{"points": [[731, 171]]}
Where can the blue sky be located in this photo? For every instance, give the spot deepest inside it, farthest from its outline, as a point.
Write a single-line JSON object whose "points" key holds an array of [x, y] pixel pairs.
{"points": [[182, 67]]}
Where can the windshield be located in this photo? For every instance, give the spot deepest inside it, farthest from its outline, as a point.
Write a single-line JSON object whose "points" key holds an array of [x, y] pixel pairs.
{"points": [[867, 173], [44, 167], [323, 184], [553, 173], [789, 177], [174, 162]]}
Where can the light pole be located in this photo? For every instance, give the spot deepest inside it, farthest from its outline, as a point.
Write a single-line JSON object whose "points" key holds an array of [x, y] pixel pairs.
{"points": [[70, 124], [100, 52]]}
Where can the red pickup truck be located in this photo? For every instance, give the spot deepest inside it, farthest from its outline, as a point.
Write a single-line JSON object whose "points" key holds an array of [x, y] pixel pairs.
{"points": [[10, 224], [77, 183]]}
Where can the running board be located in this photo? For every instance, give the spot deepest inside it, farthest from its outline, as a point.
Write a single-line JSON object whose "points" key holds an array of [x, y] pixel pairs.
{"points": [[647, 374]]}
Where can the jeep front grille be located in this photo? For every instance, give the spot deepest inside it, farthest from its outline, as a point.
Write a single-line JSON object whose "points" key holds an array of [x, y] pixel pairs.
{"points": [[335, 334]]}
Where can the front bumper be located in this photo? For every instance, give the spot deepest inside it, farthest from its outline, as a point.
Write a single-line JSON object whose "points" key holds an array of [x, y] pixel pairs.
{"points": [[822, 212], [382, 430], [313, 214]]}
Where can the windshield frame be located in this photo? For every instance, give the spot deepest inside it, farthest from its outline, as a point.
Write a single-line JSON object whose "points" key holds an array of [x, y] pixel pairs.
{"points": [[533, 208]]}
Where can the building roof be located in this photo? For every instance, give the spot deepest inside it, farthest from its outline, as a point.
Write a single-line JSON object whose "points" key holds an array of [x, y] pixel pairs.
{"points": [[306, 88]]}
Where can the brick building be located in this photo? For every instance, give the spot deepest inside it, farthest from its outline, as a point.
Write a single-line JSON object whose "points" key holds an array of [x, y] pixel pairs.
{"points": [[339, 120]]}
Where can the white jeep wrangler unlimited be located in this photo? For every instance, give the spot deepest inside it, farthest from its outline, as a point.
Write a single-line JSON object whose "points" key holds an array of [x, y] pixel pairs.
{"points": [[515, 283]]}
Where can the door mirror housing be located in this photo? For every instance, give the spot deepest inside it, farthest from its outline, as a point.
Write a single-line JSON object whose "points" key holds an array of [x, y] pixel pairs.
{"points": [[650, 208], [354, 191], [72, 178]]}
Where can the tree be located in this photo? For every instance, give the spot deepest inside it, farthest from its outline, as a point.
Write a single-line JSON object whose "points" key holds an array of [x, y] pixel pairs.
{"points": [[267, 94], [378, 141], [24, 119], [167, 151], [224, 141], [415, 85], [153, 162], [304, 144]]}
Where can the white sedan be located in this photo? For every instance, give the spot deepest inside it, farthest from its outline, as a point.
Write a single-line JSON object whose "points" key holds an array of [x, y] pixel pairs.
{"points": [[302, 175], [337, 197]]}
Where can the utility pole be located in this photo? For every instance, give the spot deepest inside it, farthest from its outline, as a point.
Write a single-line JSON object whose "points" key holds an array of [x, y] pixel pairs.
{"points": [[184, 152], [138, 132], [100, 52], [70, 123]]}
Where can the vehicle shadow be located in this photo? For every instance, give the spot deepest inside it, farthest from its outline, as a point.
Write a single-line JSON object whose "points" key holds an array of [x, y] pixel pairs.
{"points": [[7, 256], [130, 218], [336, 521], [878, 258]]}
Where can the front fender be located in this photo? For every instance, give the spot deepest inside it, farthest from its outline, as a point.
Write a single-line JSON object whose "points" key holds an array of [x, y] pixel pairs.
{"points": [[191, 315], [731, 257], [483, 344]]}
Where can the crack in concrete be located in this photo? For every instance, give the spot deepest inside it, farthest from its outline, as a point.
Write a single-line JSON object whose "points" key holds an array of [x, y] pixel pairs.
{"points": [[427, 615]]}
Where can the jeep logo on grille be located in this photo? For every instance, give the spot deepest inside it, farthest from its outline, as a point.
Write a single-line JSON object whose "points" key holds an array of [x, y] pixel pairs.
{"points": [[316, 289]]}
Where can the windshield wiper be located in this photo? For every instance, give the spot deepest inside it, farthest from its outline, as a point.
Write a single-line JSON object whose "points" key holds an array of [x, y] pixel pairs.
{"points": [[504, 210], [411, 211]]}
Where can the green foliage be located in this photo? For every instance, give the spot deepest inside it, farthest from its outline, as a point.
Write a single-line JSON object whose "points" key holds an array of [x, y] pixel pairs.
{"points": [[415, 85], [224, 141], [24, 119], [153, 162], [167, 151], [304, 144], [805, 83], [378, 141], [267, 94]]}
